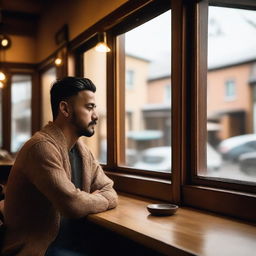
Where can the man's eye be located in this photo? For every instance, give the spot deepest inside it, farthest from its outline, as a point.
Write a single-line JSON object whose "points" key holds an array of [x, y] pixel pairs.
{"points": [[90, 107]]}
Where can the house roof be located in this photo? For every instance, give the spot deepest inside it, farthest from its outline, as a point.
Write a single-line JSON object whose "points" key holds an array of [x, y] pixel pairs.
{"points": [[231, 36], [231, 40]]}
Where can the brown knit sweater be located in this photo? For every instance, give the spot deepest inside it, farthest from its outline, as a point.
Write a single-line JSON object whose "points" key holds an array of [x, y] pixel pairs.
{"points": [[39, 189]]}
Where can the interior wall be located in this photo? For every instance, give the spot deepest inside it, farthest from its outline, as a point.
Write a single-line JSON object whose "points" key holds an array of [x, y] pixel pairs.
{"points": [[22, 50], [78, 14]]}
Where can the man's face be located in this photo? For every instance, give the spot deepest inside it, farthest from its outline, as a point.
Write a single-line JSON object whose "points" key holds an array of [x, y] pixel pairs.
{"points": [[84, 116]]}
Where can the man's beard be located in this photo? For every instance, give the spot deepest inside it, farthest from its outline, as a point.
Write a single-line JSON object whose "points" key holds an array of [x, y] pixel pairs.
{"points": [[80, 130]]}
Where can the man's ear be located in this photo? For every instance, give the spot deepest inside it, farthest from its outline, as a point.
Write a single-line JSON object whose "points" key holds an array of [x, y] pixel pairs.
{"points": [[64, 108]]}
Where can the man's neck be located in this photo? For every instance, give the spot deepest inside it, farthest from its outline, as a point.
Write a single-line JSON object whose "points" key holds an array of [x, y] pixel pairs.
{"points": [[69, 133]]}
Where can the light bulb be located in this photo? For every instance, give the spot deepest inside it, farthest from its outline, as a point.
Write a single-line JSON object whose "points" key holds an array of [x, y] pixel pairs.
{"points": [[1, 85], [4, 42], [102, 47], [2, 76], [58, 61]]}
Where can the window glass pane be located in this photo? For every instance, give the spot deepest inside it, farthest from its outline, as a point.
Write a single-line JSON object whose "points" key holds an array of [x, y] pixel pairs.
{"points": [[231, 90], [95, 70], [21, 110], [47, 79], [147, 77]]}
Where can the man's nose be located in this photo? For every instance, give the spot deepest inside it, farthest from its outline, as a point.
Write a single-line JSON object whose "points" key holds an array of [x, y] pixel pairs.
{"points": [[95, 116]]}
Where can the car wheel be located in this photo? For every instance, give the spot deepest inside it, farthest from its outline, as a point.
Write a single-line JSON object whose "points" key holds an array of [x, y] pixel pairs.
{"points": [[249, 170]]}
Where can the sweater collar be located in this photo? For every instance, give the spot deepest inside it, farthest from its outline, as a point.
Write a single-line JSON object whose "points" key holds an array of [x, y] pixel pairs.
{"points": [[55, 133]]}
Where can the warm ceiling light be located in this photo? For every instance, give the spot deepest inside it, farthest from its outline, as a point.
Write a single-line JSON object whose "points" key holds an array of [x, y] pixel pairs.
{"points": [[5, 42], [2, 76], [102, 47], [58, 61], [102, 43]]}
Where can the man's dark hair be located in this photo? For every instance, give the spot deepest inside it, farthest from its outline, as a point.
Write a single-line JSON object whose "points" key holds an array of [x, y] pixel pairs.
{"points": [[67, 87]]}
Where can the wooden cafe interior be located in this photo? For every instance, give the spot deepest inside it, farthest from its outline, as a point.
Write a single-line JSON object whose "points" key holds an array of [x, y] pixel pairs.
{"points": [[175, 80]]}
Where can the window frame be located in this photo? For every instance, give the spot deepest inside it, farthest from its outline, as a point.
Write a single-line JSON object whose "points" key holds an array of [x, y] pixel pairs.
{"points": [[61, 71], [12, 68], [31, 100], [146, 183], [198, 191]]}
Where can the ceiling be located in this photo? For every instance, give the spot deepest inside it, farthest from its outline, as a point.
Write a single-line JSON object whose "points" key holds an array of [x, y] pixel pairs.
{"points": [[24, 6], [20, 17]]}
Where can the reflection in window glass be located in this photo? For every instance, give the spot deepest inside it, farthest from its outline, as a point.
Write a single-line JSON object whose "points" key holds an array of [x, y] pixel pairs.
{"points": [[148, 104], [95, 70], [47, 79], [21, 110], [231, 147]]}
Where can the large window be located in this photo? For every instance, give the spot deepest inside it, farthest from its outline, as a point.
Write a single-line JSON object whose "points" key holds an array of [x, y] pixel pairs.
{"points": [[95, 70], [21, 86], [146, 63], [231, 147], [178, 129]]}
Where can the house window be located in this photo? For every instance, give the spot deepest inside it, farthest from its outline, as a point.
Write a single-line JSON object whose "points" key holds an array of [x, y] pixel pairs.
{"points": [[21, 86], [148, 56], [230, 90], [129, 79]]}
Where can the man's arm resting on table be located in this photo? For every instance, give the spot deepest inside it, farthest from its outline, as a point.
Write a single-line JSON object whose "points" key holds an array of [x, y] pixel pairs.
{"points": [[103, 184], [46, 172]]}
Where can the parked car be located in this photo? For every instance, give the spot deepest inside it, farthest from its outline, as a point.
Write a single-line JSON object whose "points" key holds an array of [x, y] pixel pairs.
{"points": [[233, 147], [247, 163], [155, 159], [159, 159]]}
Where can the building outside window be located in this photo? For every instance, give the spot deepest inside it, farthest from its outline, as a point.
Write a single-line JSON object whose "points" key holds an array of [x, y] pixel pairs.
{"points": [[230, 122], [149, 57]]}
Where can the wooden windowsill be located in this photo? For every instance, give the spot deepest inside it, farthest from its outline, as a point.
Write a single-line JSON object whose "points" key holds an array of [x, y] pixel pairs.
{"points": [[188, 232]]}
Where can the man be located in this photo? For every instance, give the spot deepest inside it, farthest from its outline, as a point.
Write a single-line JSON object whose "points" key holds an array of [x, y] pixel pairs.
{"points": [[55, 180]]}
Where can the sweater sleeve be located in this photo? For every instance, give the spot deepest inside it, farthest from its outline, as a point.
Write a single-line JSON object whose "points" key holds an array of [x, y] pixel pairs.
{"points": [[102, 183], [47, 173]]}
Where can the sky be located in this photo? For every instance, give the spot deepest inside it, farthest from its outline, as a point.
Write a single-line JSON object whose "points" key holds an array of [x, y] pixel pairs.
{"points": [[152, 41], [232, 38]]}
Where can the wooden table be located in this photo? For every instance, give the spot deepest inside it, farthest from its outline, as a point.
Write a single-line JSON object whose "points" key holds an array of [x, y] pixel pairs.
{"points": [[188, 232]]}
